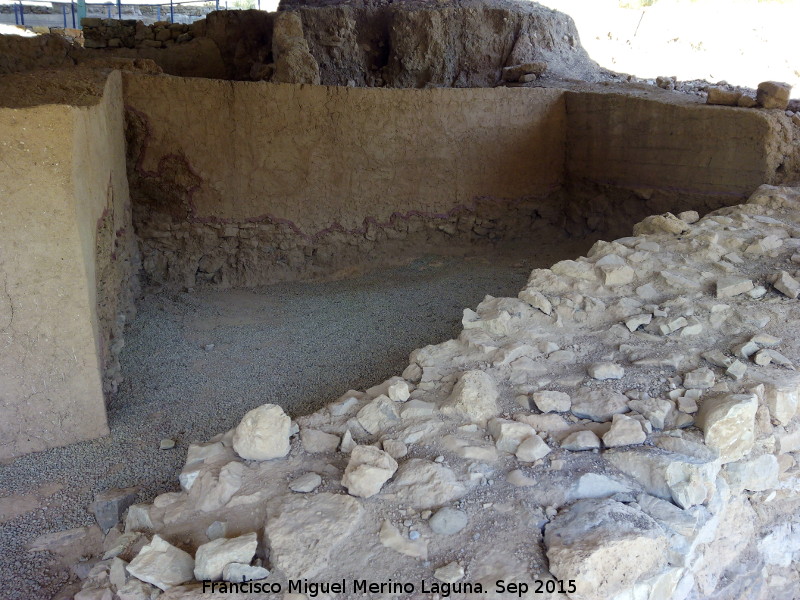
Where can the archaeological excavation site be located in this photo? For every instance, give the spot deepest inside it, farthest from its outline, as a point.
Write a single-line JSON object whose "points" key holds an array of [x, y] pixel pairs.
{"points": [[393, 300]]}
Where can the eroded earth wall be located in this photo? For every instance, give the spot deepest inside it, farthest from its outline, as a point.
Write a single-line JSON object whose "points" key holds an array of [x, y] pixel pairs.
{"points": [[630, 155], [65, 260], [260, 182]]}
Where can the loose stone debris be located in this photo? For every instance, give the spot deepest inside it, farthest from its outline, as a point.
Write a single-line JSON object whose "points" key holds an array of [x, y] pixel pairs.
{"points": [[574, 433]]}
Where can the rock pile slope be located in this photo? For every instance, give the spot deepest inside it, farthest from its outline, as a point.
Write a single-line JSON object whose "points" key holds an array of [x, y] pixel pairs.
{"points": [[626, 428]]}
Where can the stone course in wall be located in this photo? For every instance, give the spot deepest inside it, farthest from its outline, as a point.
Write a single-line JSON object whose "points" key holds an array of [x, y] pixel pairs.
{"points": [[627, 427]]}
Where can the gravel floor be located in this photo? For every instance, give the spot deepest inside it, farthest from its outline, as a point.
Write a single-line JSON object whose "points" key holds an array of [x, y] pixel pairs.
{"points": [[299, 345]]}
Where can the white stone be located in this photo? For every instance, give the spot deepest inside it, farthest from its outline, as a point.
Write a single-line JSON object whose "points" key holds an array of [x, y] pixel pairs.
{"points": [[736, 370], [212, 491], [399, 391], [598, 405], [508, 435], [689, 216], [699, 379], [239, 572], [306, 483], [391, 538], [624, 432], [593, 541], [316, 441], [474, 398], [686, 480], [581, 440], [536, 300], [728, 287], [633, 323], [450, 573], [782, 401], [348, 443], [138, 518], [594, 485], [422, 484], [448, 521], [263, 433], [211, 558], [303, 531], [414, 409], [368, 469], [378, 415], [787, 285], [552, 401], [136, 590], [606, 370], [728, 424], [614, 275], [655, 410], [757, 475], [394, 448], [532, 449], [161, 564]]}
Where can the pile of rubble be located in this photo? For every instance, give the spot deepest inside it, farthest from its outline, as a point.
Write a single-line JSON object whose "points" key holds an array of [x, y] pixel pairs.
{"points": [[626, 428]]}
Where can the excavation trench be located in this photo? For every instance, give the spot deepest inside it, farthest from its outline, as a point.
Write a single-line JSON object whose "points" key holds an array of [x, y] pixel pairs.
{"points": [[288, 242]]}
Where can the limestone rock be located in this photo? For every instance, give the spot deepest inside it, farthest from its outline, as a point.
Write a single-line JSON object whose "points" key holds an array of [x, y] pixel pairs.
{"points": [[581, 440], [532, 449], [392, 539], [552, 401], [686, 480], [624, 431], [782, 401], [757, 475], [598, 405], [450, 573], [699, 379], [666, 223], [318, 441], [399, 391], [378, 415], [728, 424], [303, 531], [773, 94], [655, 410], [239, 572], [421, 484], [294, 63], [606, 370], [134, 589], [474, 397], [263, 434], [722, 96], [162, 564], [306, 483], [508, 435], [448, 521], [605, 546], [787, 285], [537, 300], [367, 471], [395, 448], [211, 558], [727, 287]]}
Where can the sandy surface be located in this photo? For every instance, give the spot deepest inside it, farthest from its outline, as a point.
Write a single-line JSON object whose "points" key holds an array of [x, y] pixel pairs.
{"points": [[300, 345]]}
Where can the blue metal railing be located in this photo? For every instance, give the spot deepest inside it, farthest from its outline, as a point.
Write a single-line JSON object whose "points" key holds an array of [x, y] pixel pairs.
{"points": [[66, 13]]}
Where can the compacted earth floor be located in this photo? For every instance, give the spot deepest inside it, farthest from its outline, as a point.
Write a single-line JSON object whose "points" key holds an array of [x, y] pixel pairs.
{"points": [[194, 363]]}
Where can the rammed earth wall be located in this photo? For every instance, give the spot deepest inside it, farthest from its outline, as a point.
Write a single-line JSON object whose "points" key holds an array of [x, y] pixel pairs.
{"points": [[243, 183]]}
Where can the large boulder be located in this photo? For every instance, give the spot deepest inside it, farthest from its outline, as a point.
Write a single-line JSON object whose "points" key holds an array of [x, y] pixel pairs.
{"points": [[605, 546], [263, 433], [304, 531]]}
